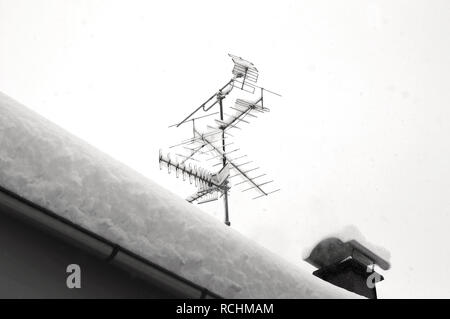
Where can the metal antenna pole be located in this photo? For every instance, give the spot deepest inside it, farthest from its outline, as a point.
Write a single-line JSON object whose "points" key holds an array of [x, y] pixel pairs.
{"points": [[212, 184], [224, 162]]}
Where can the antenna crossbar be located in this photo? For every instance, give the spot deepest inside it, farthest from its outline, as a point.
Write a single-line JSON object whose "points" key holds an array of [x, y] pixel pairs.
{"points": [[199, 175], [244, 174]]}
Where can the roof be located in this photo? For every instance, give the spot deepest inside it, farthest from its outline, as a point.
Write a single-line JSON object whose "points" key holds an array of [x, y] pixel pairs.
{"points": [[46, 165]]}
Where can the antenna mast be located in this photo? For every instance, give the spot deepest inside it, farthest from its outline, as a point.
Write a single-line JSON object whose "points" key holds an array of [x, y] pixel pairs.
{"points": [[213, 142]]}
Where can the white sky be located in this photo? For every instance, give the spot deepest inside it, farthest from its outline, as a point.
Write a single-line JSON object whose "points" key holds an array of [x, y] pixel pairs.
{"points": [[360, 136]]}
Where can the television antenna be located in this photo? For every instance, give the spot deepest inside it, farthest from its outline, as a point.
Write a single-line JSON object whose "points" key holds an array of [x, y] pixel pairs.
{"points": [[214, 141]]}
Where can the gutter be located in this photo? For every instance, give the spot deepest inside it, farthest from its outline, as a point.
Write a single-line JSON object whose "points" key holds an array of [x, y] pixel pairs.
{"points": [[100, 247]]}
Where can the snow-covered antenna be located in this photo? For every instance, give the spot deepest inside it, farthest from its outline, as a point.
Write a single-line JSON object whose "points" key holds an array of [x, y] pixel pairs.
{"points": [[214, 141]]}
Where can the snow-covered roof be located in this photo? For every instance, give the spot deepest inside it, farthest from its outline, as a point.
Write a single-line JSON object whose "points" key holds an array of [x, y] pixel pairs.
{"points": [[46, 165]]}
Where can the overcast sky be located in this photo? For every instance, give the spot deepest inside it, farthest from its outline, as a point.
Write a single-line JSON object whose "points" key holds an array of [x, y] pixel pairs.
{"points": [[360, 136]]}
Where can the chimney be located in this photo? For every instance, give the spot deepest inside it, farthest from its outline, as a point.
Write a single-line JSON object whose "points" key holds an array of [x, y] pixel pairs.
{"points": [[348, 265]]}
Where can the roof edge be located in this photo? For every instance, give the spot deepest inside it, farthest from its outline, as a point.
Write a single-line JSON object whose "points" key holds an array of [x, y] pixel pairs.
{"points": [[37, 216]]}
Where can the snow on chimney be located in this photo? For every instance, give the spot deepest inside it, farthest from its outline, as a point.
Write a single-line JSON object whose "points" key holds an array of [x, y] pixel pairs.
{"points": [[348, 265]]}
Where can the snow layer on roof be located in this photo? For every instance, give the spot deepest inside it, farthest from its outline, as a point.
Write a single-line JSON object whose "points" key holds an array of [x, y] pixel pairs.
{"points": [[45, 164]]}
